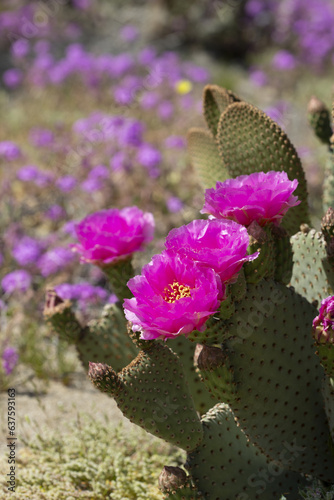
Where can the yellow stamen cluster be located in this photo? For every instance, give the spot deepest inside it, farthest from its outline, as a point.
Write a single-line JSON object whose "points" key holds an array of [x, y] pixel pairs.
{"points": [[175, 291]]}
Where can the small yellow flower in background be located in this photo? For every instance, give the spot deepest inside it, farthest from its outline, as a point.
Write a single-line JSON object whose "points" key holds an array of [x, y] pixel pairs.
{"points": [[183, 87]]}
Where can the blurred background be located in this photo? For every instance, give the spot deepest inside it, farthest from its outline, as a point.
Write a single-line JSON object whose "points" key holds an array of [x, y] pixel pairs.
{"points": [[95, 99]]}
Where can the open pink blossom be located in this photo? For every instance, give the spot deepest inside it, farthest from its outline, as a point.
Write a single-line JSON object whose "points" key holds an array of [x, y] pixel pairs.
{"points": [[323, 324], [263, 197], [173, 296], [219, 244], [111, 235]]}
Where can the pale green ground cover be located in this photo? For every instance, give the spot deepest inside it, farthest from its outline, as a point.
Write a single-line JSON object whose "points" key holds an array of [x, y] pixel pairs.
{"points": [[92, 460]]}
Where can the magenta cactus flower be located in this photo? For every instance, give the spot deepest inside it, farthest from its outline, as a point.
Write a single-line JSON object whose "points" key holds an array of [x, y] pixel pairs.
{"points": [[261, 197], [173, 296], [108, 236], [323, 324], [219, 244]]}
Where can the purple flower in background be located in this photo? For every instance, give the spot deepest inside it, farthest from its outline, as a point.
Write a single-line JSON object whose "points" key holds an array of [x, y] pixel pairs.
{"points": [[284, 60], [149, 100], [66, 183], [119, 161], [129, 33], [41, 137], [69, 228], [26, 251], [175, 141], [111, 235], [9, 359], [31, 173], [81, 291], [323, 324], [9, 150], [258, 77], [148, 156], [27, 173], [20, 48], [147, 56], [55, 212], [263, 197], [12, 77], [54, 260], [99, 172], [131, 134], [196, 73], [82, 4], [165, 110], [174, 204], [91, 184], [173, 296], [112, 299], [19, 280], [218, 244]]}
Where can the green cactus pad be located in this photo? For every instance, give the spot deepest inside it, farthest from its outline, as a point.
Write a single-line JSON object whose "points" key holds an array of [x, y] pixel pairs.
{"points": [[312, 275], [205, 158], [238, 289], [325, 353], [249, 141], [58, 313], [119, 273], [319, 119], [328, 393], [238, 471], [154, 394], [215, 101], [278, 378], [106, 340], [264, 265], [328, 185], [185, 350], [283, 255], [214, 366]]}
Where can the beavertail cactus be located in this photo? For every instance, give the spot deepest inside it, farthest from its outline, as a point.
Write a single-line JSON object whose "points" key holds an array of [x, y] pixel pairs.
{"points": [[230, 330]]}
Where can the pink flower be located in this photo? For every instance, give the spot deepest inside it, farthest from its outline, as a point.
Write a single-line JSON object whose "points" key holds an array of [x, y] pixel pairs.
{"points": [[110, 235], [173, 296], [219, 244], [323, 325], [263, 197]]}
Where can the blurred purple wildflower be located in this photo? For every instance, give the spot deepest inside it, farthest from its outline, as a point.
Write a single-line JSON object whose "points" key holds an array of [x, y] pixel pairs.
{"points": [[174, 204], [9, 150], [175, 141], [148, 156], [54, 260], [20, 48], [66, 183], [12, 77], [9, 359], [41, 137], [19, 280], [27, 250], [284, 60], [129, 33]]}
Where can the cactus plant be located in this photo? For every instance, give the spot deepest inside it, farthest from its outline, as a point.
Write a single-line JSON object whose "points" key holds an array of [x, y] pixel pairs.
{"points": [[232, 325]]}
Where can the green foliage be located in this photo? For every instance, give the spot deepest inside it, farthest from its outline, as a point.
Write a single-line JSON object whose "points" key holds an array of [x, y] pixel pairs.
{"points": [[92, 460]]}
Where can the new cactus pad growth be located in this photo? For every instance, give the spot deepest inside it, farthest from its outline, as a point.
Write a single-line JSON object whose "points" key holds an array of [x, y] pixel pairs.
{"points": [[230, 329]]}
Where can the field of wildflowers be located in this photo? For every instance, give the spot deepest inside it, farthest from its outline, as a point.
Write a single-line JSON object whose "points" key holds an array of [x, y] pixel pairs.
{"points": [[96, 100]]}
